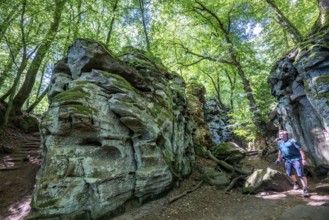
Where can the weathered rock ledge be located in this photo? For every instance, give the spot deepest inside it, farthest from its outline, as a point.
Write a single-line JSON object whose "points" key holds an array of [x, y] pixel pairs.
{"points": [[117, 132], [300, 82]]}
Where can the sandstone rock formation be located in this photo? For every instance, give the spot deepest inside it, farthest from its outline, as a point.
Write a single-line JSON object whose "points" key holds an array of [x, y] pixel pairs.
{"points": [[196, 100], [217, 122], [117, 130], [300, 82], [267, 180]]}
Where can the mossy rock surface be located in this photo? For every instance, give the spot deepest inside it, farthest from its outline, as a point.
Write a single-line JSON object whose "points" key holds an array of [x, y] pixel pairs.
{"points": [[27, 123], [228, 152], [73, 94]]}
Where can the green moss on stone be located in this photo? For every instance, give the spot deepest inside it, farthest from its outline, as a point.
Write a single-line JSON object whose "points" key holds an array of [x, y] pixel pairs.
{"points": [[96, 174], [224, 147], [120, 81], [81, 109], [82, 83], [322, 80], [75, 93], [324, 95], [159, 112], [48, 203]]}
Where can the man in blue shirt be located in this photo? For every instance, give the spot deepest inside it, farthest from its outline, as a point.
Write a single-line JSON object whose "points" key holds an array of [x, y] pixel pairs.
{"points": [[294, 157]]}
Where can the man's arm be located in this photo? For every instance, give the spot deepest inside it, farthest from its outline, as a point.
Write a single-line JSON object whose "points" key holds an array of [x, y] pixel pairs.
{"points": [[279, 157], [301, 151]]}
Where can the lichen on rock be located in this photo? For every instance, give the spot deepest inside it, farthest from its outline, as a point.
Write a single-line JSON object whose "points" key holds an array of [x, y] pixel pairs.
{"points": [[116, 130], [300, 83]]}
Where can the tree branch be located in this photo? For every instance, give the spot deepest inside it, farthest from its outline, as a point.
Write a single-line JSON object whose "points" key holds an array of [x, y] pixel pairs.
{"points": [[204, 57], [226, 165], [185, 193]]}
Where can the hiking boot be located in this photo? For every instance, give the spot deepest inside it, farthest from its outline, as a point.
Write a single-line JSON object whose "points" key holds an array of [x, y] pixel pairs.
{"points": [[295, 186], [306, 193]]}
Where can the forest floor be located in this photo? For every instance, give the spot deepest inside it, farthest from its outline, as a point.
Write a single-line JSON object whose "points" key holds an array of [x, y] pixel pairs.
{"points": [[20, 160]]}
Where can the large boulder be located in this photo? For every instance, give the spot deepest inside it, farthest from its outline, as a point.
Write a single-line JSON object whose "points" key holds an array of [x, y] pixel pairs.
{"points": [[229, 152], [300, 82], [117, 130], [267, 180], [215, 178]]}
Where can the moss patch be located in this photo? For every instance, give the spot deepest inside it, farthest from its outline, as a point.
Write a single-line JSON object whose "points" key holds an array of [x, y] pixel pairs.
{"points": [[120, 81], [73, 94], [47, 204], [81, 109], [322, 80]]}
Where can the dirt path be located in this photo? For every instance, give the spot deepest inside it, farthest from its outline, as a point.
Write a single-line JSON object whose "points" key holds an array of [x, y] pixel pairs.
{"points": [[209, 203], [19, 162]]}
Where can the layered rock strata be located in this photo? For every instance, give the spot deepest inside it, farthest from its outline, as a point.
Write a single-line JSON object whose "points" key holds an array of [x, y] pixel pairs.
{"points": [[117, 130], [300, 82]]}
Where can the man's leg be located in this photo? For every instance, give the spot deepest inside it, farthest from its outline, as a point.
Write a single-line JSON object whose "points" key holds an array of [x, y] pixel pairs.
{"points": [[288, 166], [299, 169], [294, 180]]}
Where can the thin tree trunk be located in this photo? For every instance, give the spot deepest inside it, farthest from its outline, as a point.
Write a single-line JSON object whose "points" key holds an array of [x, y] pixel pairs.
{"points": [[6, 23], [232, 53], [232, 85], [109, 33], [6, 95], [23, 64], [246, 86], [43, 70], [141, 6], [285, 23], [77, 23], [8, 67], [217, 88], [43, 94], [219, 97], [28, 83], [323, 18]]}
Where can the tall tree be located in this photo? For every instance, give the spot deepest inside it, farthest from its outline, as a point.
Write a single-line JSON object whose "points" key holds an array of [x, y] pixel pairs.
{"points": [[109, 33], [285, 22], [4, 25], [143, 15], [4, 123], [28, 83], [214, 20], [10, 62], [323, 18]]}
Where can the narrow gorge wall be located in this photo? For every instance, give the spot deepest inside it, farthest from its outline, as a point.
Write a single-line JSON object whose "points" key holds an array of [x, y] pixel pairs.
{"points": [[300, 82], [117, 130]]}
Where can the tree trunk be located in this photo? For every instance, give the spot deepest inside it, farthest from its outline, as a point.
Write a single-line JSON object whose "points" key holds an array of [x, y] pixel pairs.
{"points": [[232, 53], [77, 23], [6, 22], [2, 98], [141, 6], [216, 86], [43, 70], [28, 83], [43, 94], [21, 68], [8, 67], [109, 33], [232, 85], [246, 86], [285, 23], [322, 19]]}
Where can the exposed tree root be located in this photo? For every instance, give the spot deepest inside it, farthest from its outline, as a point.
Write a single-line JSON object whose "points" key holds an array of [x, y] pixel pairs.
{"points": [[185, 193]]}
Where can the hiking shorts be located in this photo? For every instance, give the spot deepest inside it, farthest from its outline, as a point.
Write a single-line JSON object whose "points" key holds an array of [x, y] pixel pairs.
{"points": [[297, 165]]}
